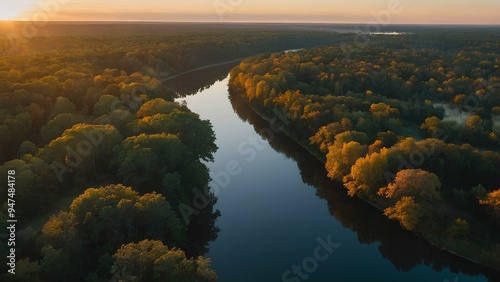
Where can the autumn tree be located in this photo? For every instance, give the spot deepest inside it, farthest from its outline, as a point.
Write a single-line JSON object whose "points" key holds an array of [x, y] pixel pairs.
{"points": [[339, 161], [156, 106], [406, 211], [417, 183], [367, 174], [382, 110], [150, 260], [325, 136], [431, 125], [492, 203]]}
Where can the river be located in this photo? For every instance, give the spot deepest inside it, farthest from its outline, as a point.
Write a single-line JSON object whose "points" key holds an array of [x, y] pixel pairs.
{"points": [[283, 220]]}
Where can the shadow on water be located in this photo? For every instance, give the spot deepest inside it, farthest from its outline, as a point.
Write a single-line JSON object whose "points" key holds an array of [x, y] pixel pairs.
{"points": [[202, 229], [402, 248], [196, 81]]}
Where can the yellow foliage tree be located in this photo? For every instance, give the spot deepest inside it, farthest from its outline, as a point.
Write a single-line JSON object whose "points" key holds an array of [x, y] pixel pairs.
{"points": [[406, 211]]}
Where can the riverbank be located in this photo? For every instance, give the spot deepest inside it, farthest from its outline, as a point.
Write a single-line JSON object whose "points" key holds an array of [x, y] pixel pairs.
{"points": [[433, 239]]}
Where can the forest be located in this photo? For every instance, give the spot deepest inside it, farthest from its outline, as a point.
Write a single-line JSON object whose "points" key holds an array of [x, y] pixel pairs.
{"points": [[107, 165], [410, 123]]}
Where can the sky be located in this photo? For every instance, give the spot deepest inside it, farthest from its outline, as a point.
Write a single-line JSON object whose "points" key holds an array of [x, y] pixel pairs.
{"points": [[312, 11]]}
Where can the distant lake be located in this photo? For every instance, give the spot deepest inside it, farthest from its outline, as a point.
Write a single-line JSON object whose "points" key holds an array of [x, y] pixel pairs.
{"points": [[278, 209]]}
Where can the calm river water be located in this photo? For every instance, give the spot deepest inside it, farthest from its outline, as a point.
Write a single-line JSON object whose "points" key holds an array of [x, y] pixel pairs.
{"points": [[283, 220]]}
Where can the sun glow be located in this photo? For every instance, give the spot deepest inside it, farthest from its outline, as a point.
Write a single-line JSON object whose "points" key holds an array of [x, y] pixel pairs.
{"points": [[14, 9]]}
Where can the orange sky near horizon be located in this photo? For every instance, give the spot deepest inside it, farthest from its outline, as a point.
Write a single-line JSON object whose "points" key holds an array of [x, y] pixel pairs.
{"points": [[325, 11]]}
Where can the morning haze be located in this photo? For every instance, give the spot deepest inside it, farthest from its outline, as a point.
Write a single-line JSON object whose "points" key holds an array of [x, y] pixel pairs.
{"points": [[485, 12]]}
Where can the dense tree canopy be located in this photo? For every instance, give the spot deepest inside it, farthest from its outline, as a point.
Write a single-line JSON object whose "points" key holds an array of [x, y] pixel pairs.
{"points": [[78, 109], [407, 123]]}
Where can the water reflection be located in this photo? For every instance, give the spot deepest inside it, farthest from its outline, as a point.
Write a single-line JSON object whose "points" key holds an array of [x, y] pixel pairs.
{"points": [[402, 248], [194, 82], [202, 230]]}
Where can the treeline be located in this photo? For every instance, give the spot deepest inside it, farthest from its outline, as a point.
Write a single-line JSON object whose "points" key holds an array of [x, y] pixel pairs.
{"points": [[89, 111], [79, 112], [155, 150], [414, 131], [44, 74]]}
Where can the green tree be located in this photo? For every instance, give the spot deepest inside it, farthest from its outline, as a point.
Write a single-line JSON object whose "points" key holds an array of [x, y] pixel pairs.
{"points": [[143, 160], [14, 129], [61, 244], [56, 126], [62, 105], [84, 148], [106, 104], [26, 270], [115, 214], [119, 119], [36, 184], [157, 220], [196, 134], [27, 147]]}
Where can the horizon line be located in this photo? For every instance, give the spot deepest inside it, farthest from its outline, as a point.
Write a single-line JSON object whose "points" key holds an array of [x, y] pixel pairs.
{"points": [[249, 22]]}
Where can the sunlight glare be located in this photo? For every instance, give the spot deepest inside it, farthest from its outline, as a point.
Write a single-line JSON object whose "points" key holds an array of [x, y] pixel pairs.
{"points": [[14, 9]]}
